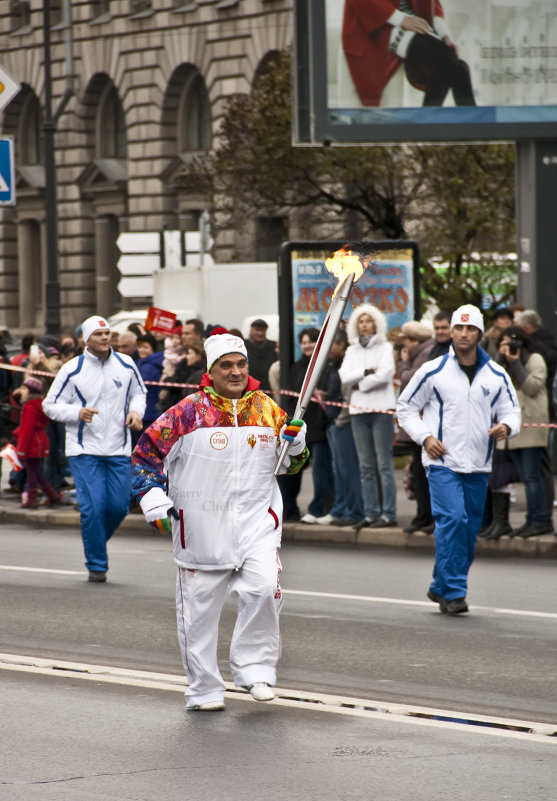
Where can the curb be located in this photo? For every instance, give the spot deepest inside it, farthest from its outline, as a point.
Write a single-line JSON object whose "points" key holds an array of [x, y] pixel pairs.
{"points": [[60, 518], [544, 547], [540, 547]]}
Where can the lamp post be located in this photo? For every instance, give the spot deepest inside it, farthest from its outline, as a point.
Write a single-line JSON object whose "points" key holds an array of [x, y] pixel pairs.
{"points": [[52, 289]]}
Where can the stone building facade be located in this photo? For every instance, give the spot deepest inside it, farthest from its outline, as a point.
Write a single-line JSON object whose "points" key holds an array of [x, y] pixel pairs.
{"points": [[149, 81]]}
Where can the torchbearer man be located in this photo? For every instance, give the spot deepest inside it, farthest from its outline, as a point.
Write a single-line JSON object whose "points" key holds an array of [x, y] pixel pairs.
{"points": [[468, 402], [99, 396], [209, 463]]}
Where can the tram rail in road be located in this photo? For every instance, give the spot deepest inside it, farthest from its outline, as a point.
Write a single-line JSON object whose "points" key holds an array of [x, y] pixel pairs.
{"points": [[312, 702]]}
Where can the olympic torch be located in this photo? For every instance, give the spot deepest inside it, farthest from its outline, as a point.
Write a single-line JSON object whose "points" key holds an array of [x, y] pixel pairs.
{"points": [[347, 267]]}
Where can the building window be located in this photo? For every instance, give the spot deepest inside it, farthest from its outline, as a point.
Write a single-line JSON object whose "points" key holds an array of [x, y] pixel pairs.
{"points": [[56, 13], [194, 118], [184, 5], [268, 62], [20, 15], [270, 233], [30, 141], [100, 8], [141, 8], [111, 126]]}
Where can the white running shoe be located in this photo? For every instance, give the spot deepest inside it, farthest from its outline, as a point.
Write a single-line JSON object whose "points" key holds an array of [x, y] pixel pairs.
{"points": [[307, 518], [260, 691], [208, 706], [326, 520]]}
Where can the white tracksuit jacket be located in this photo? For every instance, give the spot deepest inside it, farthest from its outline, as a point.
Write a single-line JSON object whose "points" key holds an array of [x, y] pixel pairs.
{"points": [[113, 387], [458, 413], [219, 456]]}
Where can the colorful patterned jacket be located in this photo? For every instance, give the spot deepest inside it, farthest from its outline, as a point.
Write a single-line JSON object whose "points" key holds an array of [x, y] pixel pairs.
{"points": [[218, 457]]}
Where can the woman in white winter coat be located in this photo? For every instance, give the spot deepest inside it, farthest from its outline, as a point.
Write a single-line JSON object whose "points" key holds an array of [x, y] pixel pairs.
{"points": [[368, 369]]}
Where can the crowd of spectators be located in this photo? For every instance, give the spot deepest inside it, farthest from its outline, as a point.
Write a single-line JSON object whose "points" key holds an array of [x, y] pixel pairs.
{"points": [[352, 433]]}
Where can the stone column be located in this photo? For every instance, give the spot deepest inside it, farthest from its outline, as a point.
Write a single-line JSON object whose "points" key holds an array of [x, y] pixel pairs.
{"points": [[30, 283], [104, 256]]}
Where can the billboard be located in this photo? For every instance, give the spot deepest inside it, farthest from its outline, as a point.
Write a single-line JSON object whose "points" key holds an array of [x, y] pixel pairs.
{"points": [[411, 70], [390, 282]]}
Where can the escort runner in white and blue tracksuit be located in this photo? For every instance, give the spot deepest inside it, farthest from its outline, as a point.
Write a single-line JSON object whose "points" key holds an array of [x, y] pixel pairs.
{"points": [[455, 407], [99, 396]]}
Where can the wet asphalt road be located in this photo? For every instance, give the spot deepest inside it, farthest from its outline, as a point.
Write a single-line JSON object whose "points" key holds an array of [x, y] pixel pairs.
{"points": [[64, 737]]}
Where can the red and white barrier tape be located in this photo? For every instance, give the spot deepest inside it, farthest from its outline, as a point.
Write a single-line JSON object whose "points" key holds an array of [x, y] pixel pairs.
{"points": [[289, 392]]}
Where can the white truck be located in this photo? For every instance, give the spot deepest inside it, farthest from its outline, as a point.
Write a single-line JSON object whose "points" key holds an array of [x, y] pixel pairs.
{"points": [[231, 295], [176, 269]]}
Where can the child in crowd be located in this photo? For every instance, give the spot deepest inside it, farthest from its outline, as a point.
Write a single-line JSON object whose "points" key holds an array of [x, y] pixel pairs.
{"points": [[33, 444]]}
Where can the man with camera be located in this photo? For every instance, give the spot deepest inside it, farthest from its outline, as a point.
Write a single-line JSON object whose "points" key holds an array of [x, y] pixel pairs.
{"points": [[528, 372], [461, 394]]}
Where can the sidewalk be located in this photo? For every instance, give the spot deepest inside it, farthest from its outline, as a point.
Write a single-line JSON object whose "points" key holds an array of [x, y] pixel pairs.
{"points": [[539, 547]]}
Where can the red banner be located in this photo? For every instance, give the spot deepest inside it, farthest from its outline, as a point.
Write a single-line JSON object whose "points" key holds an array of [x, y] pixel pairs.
{"points": [[159, 320]]}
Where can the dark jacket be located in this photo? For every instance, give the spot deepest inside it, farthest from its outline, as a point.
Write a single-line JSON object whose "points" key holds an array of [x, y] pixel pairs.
{"points": [[315, 417], [150, 369], [182, 375], [260, 358], [406, 370], [439, 349], [545, 343]]}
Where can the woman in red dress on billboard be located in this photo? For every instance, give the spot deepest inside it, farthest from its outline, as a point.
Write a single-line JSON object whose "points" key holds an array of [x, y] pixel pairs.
{"points": [[378, 35]]}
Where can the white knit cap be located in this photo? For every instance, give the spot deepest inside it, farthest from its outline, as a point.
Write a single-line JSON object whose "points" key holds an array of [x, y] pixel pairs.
{"points": [[220, 345], [468, 315], [93, 324]]}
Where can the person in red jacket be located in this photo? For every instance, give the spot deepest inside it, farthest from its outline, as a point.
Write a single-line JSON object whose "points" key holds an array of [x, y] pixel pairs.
{"points": [[378, 35], [33, 444]]}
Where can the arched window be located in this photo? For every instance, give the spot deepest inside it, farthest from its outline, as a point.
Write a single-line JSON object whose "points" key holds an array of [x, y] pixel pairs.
{"points": [[56, 13], [20, 15], [30, 141], [194, 115], [99, 8], [270, 59], [111, 126]]}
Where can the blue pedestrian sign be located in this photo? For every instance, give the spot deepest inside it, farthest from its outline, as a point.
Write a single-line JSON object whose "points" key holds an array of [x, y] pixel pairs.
{"points": [[7, 172]]}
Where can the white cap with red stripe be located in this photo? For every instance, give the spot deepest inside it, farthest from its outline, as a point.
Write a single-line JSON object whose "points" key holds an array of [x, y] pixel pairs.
{"points": [[468, 315], [93, 324]]}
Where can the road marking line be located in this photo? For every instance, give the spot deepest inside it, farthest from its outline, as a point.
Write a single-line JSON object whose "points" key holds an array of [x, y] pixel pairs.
{"points": [[405, 602], [20, 569], [332, 595], [336, 704]]}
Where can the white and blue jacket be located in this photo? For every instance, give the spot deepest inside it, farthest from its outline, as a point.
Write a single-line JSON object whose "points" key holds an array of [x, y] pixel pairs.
{"points": [[458, 413], [113, 387]]}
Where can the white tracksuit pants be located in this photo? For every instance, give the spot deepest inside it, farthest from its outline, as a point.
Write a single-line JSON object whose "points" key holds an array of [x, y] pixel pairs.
{"points": [[255, 646]]}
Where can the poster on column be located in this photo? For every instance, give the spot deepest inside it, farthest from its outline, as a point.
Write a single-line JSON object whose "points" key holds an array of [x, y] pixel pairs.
{"points": [[390, 282]]}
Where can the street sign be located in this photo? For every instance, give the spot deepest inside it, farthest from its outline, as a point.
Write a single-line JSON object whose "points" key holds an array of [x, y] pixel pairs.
{"points": [[147, 252], [139, 260], [9, 88], [136, 286], [173, 250], [138, 263], [7, 173], [147, 242]]}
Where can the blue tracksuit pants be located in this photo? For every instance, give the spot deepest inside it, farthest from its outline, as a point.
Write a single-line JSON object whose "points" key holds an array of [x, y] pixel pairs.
{"points": [[103, 485], [457, 506]]}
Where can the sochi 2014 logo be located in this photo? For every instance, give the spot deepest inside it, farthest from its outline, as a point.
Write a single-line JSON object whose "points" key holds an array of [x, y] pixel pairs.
{"points": [[251, 441]]}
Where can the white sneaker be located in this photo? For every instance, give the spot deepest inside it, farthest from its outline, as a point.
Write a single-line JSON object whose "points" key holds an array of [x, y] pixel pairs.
{"points": [[208, 706], [260, 691], [307, 518], [326, 520]]}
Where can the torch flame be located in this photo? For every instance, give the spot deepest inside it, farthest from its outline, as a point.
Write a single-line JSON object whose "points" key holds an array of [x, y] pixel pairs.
{"points": [[343, 263]]}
